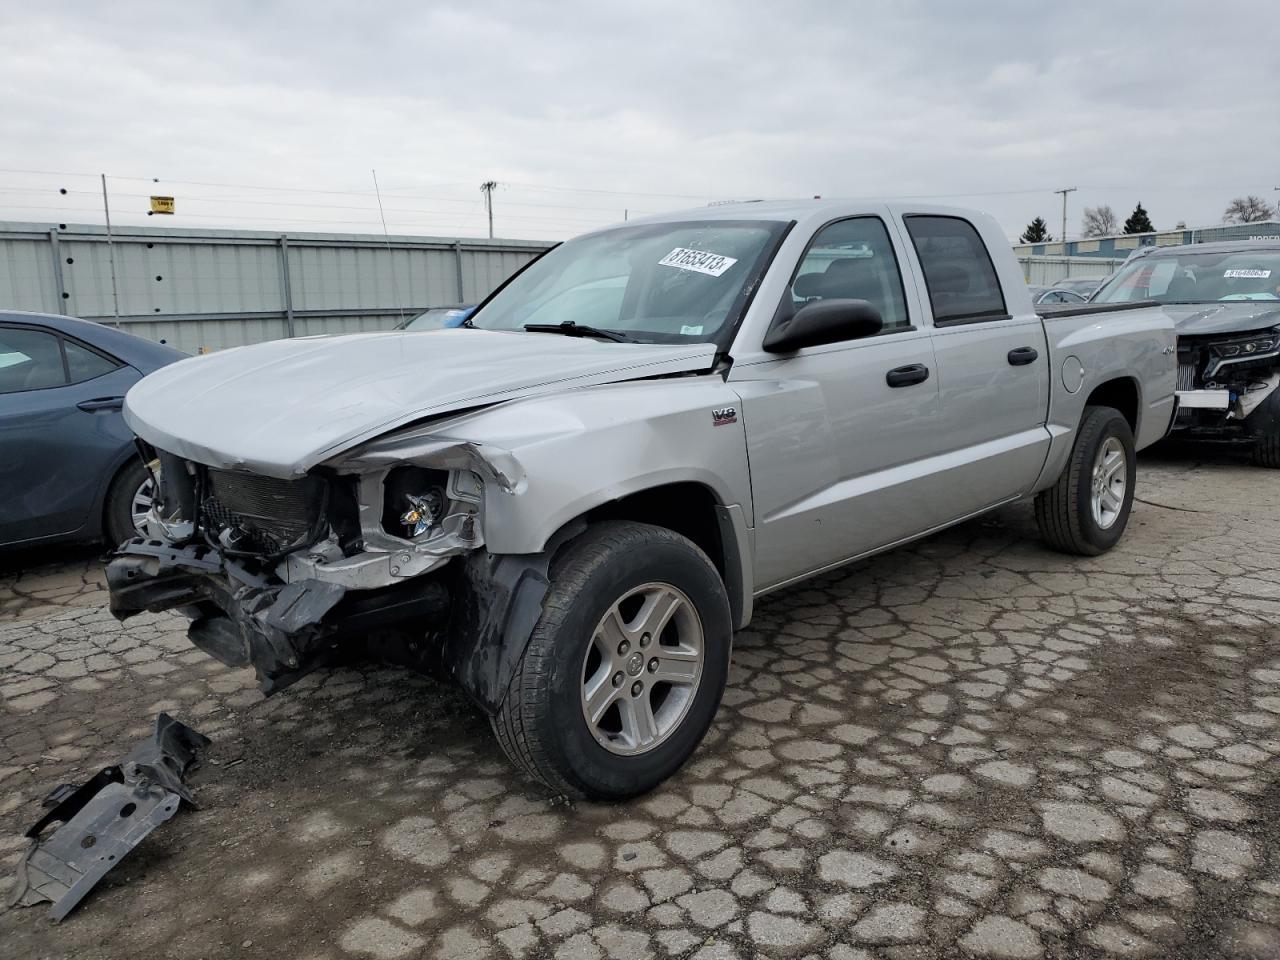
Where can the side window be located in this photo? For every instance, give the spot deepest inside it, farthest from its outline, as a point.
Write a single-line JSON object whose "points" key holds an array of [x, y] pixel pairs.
{"points": [[29, 360], [853, 259], [958, 272], [84, 364]]}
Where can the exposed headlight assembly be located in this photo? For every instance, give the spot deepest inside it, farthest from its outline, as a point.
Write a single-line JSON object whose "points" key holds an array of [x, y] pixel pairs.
{"points": [[1247, 348]]}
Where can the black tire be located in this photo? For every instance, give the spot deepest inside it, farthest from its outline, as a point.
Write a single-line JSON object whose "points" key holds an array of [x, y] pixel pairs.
{"points": [[1266, 451], [540, 723], [117, 512], [1063, 512]]}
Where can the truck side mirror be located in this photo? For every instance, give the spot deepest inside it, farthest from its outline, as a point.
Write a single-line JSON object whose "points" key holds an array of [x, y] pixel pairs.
{"points": [[824, 321]]}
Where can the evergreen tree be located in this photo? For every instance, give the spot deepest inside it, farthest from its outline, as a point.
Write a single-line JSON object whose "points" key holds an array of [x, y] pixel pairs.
{"points": [[1138, 221], [1037, 232]]}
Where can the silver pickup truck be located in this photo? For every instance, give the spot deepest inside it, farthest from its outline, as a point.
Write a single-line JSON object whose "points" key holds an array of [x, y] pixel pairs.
{"points": [[568, 505]]}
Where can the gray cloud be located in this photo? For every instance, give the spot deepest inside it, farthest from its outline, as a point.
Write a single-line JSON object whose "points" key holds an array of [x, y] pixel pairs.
{"points": [[990, 105]]}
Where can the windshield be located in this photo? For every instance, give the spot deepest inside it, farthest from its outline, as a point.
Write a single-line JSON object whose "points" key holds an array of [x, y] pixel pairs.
{"points": [[1197, 278], [684, 282]]}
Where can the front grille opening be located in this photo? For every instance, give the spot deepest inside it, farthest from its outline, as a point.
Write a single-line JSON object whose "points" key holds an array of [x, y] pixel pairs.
{"points": [[262, 515]]}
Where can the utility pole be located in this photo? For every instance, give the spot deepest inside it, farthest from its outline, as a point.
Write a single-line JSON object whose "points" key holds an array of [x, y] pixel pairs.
{"points": [[487, 189], [1064, 191], [111, 252]]}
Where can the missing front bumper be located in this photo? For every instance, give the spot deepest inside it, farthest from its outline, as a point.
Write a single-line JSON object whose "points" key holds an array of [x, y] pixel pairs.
{"points": [[242, 618]]}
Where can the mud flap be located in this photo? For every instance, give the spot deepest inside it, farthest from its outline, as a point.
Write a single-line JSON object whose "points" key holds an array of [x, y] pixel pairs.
{"points": [[496, 607], [105, 817]]}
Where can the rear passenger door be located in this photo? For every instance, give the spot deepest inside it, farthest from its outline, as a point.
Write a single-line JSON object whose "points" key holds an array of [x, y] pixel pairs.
{"points": [[993, 374]]}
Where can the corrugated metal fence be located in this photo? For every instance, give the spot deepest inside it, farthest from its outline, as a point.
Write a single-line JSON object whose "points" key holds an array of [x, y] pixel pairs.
{"points": [[1043, 271], [210, 289]]}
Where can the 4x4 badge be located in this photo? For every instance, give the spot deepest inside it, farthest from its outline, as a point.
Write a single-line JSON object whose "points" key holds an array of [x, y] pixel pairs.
{"points": [[723, 416]]}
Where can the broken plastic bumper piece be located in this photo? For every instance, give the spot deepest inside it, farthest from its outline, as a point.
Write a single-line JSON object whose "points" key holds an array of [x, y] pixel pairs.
{"points": [[105, 817], [248, 619]]}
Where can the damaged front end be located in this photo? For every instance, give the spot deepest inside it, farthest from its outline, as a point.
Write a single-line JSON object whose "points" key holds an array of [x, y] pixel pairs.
{"points": [[1229, 386], [287, 575]]}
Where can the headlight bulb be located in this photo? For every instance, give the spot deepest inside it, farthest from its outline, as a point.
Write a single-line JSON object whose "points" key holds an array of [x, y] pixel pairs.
{"points": [[423, 513]]}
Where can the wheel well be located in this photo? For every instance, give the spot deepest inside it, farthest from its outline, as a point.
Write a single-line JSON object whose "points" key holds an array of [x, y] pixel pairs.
{"points": [[687, 508], [1122, 394]]}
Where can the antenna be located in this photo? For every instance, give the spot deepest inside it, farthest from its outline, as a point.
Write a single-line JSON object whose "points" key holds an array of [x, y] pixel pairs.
{"points": [[487, 189], [395, 292]]}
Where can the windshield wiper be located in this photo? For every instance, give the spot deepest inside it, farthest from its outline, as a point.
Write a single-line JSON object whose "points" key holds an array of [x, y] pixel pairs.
{"points": [[570, 329]]}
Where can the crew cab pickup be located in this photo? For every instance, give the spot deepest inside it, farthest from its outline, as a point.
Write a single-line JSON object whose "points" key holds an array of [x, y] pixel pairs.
{"points": [[569, 504]]}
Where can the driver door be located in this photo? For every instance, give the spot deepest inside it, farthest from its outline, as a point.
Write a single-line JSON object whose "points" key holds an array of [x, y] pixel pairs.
{"points": [[838, 434]]}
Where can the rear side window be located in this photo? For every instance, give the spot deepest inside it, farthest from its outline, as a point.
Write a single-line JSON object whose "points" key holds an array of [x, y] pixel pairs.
{"points": [[29, 360], [853, 260], [83, 364], [958, 271]]}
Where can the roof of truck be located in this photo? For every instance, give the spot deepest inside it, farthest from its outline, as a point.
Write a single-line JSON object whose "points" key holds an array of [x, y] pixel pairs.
{"points": [[795, 209]]}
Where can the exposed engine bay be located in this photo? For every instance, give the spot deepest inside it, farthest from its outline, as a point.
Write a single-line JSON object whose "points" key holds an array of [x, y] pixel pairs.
{"points": [[1228, 385], [288, 575]]}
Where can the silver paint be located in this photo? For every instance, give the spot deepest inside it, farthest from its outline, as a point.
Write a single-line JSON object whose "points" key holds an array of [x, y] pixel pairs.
{"points": [[824, 463]]}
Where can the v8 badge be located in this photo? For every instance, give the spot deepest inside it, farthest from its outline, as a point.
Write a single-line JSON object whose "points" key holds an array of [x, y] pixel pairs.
{"points": [[724, 416]]}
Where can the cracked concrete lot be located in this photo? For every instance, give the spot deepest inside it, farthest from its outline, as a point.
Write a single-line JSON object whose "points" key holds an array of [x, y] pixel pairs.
{"points": [[969, 747]]}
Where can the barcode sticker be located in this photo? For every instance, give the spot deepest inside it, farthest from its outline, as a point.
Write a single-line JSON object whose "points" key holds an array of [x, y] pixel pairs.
{"points": [[699, 261]]}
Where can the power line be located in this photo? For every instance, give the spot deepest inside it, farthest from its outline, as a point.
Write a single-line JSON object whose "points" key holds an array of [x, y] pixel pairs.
{"points": [[198, 198], [370, 222]]}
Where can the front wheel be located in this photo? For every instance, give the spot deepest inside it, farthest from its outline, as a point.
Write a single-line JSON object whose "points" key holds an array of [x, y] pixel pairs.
{"points": [[1086, 511], [1266, 450], [625, 669]]}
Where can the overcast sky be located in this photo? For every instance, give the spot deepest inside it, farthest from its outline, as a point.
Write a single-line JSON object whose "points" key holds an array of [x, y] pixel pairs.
{"points": [[582, 110]]}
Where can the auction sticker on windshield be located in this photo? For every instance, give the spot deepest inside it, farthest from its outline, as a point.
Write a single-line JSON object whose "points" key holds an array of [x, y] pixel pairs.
{"points": [[1247, 274], [699, 261]]}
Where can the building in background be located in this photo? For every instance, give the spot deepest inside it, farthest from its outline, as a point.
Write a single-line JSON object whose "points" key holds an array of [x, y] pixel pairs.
{"points": [[1120, 246]]}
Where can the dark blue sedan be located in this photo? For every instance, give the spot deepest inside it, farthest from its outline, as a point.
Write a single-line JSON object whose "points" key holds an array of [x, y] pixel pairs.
{"points": [[68, 466]]}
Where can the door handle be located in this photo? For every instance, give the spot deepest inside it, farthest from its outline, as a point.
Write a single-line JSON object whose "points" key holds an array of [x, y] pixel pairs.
{"points": [[1021, 356], [101, 403], [908, 375]]}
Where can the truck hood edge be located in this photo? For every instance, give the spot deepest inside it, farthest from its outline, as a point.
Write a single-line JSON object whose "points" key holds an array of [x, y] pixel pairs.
{"points": [[280, 408]]}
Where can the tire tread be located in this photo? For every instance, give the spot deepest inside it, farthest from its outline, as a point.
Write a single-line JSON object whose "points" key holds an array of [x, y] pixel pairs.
{"points": [[523, 714], [1057, 509], [1266, 451]]}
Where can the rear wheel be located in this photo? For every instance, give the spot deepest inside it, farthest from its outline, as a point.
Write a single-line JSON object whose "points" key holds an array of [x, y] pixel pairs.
{"points": [[129, 500], [1087, 510], [625, 668]]}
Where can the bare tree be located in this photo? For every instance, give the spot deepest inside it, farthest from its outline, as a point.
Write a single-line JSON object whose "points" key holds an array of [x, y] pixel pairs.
{"points": [[1248, 209], [1099, 221]]}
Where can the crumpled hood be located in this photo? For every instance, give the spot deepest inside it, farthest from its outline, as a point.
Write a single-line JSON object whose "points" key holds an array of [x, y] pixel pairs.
{"points": [[282, 407], [1225, 316]]}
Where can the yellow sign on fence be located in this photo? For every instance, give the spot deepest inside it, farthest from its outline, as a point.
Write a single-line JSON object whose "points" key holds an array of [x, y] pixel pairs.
{"points": [[162, 204]]}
